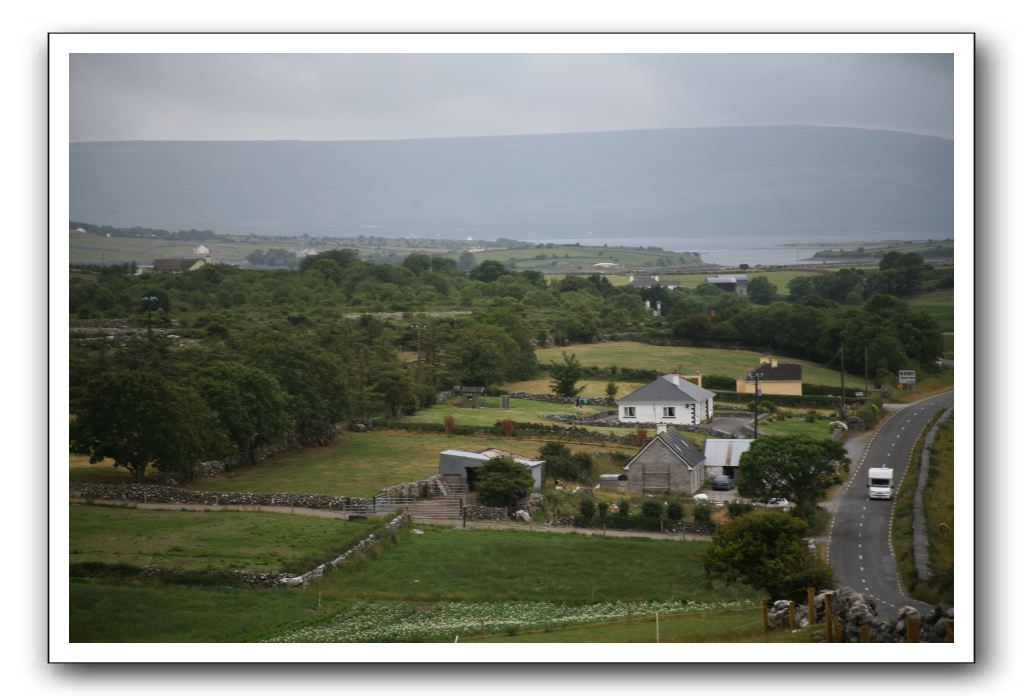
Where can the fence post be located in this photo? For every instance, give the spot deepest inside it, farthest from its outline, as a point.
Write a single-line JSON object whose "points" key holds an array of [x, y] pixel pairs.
{"points": [[950, 631], [811, 606], [827, 619], [792, 615], [763, 612], [629, 605], [912, 629], [864, 634]]}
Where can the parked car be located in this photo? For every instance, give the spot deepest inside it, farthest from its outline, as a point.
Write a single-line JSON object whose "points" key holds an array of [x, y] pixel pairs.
{"points": [[723, 483], [779, 503]]}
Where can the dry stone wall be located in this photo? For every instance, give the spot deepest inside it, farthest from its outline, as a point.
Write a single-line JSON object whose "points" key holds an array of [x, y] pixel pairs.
{"points": [[171, 494]]}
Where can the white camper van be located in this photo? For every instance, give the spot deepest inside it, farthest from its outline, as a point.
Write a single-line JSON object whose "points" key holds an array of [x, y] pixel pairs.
{"points": [[879, 484]]}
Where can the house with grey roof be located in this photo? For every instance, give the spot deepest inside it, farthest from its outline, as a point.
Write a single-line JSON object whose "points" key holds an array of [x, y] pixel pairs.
{"points": [[458, 467], [668, 399], [669, 463], [736, 284]]}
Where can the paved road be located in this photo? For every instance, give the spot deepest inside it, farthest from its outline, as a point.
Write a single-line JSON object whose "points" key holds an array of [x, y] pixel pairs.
{"points": [[860, 548]]}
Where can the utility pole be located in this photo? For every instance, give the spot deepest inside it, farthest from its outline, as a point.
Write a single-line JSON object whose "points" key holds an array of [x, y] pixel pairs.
{"points": [[419, 349], [866, 373], [755, 376], [841, 362]]}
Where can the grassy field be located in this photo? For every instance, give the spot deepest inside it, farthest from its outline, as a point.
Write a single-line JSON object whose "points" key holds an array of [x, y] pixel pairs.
{"points": [[738, 625], [927, 384], [591, 387], [940, 305], [82, 471], [481, 565], [584, 257], [692, 280], [111, 612], [263, 542], [797, 426], [522, 410], [708, 361], [360, 464]]}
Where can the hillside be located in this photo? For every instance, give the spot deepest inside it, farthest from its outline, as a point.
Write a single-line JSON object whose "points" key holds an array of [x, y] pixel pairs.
{"points": [[807, 182]]}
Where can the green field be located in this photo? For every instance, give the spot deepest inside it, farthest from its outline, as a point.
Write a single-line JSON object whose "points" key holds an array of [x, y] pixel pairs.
{"points": [[256, 541], [687, 360], [797, 426], [590, 387], [584, 257], [452, 564], [693, 280], [360, 464], [940, 305], [81, 471]]}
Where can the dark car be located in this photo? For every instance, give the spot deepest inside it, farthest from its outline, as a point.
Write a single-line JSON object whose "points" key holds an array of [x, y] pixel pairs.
{"points": [[723, 483]]}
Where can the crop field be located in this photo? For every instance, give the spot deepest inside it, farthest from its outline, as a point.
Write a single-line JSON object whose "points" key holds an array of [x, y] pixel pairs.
{"points": [[257, 541], [451, 564], [559, 257], [940, 305], [360, 464], [687, 360]]}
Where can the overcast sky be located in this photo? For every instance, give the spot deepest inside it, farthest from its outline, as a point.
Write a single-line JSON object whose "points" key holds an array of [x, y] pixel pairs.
{"points": [[386, 96]]}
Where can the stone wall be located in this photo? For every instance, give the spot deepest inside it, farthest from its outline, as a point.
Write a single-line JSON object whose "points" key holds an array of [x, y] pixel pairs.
{"points": [[170, 494], [484, 512], [850, 610]]}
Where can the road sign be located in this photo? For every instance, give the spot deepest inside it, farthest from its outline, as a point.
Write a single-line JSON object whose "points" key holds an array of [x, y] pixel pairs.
{"points": [[907, 376]]}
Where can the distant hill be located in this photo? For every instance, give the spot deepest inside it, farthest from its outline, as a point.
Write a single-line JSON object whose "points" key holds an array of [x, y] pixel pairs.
{"points": [[796, 181]]}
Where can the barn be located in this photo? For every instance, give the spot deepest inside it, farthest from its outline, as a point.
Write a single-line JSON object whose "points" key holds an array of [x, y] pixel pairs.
{"points": [[668, 464]]}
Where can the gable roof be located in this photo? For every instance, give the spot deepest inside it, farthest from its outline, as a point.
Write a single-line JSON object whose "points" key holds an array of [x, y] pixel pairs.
{"points": [[175, 264], [723, 452], [665, 390], [687, 452], [784, 371]]}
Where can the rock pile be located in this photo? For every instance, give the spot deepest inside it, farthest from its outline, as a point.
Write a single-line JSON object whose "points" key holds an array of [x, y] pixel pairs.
{"points": [[851, 611]]}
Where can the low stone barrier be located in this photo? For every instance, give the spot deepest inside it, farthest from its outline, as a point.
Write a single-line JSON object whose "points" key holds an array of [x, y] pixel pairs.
{"points": [[174, 495], [850, 611], [484, 512]]}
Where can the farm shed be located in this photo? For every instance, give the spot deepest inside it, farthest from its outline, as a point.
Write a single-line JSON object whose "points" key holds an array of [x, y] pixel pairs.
{"points": [[723, 456], [613, 482], [668, 464], [458, 466]]}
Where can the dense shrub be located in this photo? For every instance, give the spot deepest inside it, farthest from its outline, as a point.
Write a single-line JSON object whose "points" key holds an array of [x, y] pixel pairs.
{"points": [[701, 513], [652, 508], [675, 511]]}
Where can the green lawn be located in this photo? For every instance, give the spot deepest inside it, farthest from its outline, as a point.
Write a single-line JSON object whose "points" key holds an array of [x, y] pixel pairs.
{"points": [[708, 361], [591, 387], [797, 426], [257, 541], [80, 470], [543, 259], [111, 612], [360, 464], [521, 411], [939, 304], [476, 565]]}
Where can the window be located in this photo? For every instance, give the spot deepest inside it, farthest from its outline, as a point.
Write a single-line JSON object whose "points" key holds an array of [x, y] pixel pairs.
{"points": [[630, 412], [669, 411]]}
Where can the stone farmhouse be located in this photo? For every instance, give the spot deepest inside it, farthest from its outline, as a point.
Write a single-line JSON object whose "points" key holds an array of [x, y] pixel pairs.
{"points": [[669, 399], [669, 463]]}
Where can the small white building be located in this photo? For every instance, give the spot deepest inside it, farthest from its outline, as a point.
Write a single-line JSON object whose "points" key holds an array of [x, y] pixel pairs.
{"points": [[668, 399], [201, 250], [723, 456]]}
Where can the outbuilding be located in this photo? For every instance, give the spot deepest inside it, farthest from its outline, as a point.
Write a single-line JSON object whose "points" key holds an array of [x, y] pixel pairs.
{"points": [[458, 467], [669, 463], [722, 456]]}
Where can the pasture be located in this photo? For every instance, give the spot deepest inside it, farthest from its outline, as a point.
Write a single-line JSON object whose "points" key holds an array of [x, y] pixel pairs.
{"points": [[693, 280], [940, 305], [683, 359], [584, 257], [223, 540], [591, 388]]}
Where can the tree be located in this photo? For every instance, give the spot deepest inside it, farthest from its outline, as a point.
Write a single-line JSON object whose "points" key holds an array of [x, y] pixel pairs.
{"points": [[611, 390], [488, 271], [502, 482], [249, 404], [565, 374], [139, 419], [797, 468], [761, 290], [768, 551]]}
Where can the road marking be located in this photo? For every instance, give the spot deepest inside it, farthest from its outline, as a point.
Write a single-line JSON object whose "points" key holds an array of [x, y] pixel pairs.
{"points": [[861, 569], [861, 556], [861, 524]]}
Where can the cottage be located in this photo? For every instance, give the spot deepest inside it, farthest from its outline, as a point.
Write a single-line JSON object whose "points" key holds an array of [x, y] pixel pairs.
{"points": [[201, 250], [723, 456], [774, 378], [668, 399], [736, 284], [667, 464], [178, 265], [458, 467]]}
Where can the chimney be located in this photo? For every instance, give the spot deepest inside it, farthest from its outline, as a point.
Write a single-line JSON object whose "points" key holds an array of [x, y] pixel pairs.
{"points": [[774, 362], [632, 278], [765, 360], [674, 378], [661, 428]]}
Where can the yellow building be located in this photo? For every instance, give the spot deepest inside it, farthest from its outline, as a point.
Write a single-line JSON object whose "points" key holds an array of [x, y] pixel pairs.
{"points": [[774, 378]]}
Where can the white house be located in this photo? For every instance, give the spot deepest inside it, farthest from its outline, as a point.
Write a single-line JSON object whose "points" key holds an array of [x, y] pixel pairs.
{"points": [[201, 250], [723, 456], [668, 399]]}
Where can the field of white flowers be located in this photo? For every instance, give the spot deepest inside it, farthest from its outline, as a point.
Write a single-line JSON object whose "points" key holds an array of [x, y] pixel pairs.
{"points": [[406, 622]]}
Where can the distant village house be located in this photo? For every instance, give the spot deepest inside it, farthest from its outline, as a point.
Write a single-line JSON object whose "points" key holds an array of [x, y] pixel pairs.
{"points": [[774, 378], [651, 282], [178, 265], [731, 283], [668, 399]]}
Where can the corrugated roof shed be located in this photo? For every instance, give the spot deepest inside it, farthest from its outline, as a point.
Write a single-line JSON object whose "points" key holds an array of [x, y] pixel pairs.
{"points": [[722, 452]]}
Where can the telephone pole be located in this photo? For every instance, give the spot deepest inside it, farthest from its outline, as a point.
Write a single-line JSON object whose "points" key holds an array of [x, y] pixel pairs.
{"points": [[866, 373], [841, 362], [755, 376]]}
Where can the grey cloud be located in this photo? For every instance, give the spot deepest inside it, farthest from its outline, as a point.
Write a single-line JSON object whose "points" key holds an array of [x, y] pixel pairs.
{"points": [[370, 96]]}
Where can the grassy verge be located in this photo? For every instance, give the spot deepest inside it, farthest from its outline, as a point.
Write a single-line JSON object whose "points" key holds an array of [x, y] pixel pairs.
{"points": [[445, 564], [708, 361], [820, 428], [939, 504], [262, 542], [902, 525]]}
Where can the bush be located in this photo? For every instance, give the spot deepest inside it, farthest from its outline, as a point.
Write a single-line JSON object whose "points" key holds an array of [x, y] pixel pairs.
{"points": [[701, 513], [675, 511], [586, 508], [737, 509], [602, 508], [811, 416], [623, 508], [652, 508]]}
